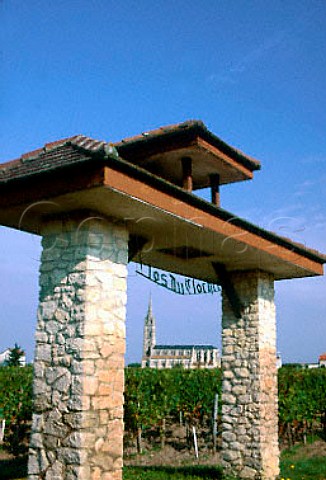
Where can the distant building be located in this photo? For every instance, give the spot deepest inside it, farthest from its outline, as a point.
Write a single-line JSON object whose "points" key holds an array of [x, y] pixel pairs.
{"points": [[322, 360], [4, 356], [321, 363], [169, 356]]}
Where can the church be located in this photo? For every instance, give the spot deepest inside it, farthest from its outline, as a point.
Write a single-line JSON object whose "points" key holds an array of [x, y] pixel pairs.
{"points": [[169, 356]]}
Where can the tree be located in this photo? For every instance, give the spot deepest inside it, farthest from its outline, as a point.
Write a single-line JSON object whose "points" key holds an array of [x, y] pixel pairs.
{"points": [[15, 356]]}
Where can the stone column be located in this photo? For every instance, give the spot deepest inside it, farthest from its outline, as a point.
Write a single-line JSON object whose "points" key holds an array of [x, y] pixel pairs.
{"points": [[77, 430], [249, 412]]}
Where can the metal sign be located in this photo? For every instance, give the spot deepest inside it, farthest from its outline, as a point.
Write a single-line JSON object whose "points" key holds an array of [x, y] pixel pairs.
{"points": [[184, 286]]}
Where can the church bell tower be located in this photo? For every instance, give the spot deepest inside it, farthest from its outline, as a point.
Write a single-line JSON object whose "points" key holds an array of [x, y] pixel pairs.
{"points": [[149, 341]]}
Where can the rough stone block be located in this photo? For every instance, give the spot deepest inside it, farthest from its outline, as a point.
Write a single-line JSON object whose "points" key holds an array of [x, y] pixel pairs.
{"points": [[249, 412], [79, 354]]}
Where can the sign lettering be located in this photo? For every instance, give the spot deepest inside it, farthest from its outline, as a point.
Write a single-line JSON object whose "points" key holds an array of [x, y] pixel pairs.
{"points": [[185, 286]]}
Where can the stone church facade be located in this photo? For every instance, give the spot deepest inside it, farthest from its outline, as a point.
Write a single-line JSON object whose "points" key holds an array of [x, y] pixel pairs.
{"points": [[169, 356]]}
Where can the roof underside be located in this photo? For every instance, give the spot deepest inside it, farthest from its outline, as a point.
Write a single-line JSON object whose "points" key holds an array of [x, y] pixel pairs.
{"points": [[160, 151], [181, 233]]}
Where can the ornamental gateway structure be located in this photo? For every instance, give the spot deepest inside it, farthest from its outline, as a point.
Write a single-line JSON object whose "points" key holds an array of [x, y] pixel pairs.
{"points": [[98, 206]]}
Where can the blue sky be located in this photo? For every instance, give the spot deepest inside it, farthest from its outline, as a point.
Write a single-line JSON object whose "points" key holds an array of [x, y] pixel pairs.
{"points": [[254, 72]]}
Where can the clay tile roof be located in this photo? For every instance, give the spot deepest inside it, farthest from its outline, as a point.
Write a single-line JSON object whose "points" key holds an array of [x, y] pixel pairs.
{"points": [[190, 129], [78, 148], [53, 155], [322, 357]]}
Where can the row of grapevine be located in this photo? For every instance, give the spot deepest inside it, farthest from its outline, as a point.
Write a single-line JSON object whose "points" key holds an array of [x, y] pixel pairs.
{"points": [[302, 402], [16, 405], [155, 397], [152, 396]]}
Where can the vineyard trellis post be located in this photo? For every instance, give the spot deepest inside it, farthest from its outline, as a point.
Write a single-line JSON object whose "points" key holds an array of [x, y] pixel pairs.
{"points": [[2, 426], [194, 433], [215, 417]]}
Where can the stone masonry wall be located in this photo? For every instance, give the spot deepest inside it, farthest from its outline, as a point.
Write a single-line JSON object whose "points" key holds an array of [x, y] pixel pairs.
{"points": [[249, 412], [77, 427]]}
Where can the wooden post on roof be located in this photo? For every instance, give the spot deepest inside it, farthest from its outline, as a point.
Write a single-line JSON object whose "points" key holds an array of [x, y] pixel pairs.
{"points": [[215, 189], [187, 173]]}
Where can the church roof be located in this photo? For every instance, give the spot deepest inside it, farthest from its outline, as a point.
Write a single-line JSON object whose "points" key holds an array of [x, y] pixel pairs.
{"points": [[184, 347]]}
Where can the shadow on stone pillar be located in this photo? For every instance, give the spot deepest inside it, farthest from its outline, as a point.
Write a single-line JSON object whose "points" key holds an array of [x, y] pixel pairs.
{"points": [[77, 430], [249, 412]]}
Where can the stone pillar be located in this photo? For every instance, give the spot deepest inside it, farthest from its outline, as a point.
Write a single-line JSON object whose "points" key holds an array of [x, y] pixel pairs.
{"points": [[249, 412], [77, 430]]}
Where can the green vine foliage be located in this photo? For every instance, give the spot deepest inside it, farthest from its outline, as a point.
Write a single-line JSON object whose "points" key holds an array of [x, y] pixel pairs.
{"points": [[16, 406], [155, 396], [302, 401], [152, 396]]}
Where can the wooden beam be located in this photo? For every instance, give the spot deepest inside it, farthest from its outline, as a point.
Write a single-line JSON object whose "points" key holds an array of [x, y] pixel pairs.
{"points": [[187, 173], [135, 246], [215, 189], [229, 289]]}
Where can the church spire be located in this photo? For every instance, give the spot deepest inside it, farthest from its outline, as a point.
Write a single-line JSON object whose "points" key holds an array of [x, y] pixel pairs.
{"points": [[150, 307], [149, 341]]}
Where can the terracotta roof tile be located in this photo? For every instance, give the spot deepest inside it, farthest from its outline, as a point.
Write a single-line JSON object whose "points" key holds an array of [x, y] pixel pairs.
{"points": [[56, 143], [88, 143], [192, 128], [80, 147], [160, 131], [32, 154], [53, 155], [39, 161]]}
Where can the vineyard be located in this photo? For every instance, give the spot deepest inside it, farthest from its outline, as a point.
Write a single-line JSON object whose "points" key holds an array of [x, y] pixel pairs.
{"points": [[157, 402], [302, 403], [16, 406]]}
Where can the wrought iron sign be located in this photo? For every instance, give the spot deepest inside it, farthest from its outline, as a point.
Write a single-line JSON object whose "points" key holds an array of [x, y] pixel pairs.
{"points": [[183, 286]]}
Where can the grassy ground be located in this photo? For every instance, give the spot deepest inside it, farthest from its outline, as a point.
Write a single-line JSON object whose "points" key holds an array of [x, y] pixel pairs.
{"points": [[295, 465], [173, 473], [304, 469], [304, 462], [13, 469], [299, 469]]}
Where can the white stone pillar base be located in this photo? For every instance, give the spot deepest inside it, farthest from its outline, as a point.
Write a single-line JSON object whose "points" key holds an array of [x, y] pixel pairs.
{"points": [[77, 430], [249, 412]]}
